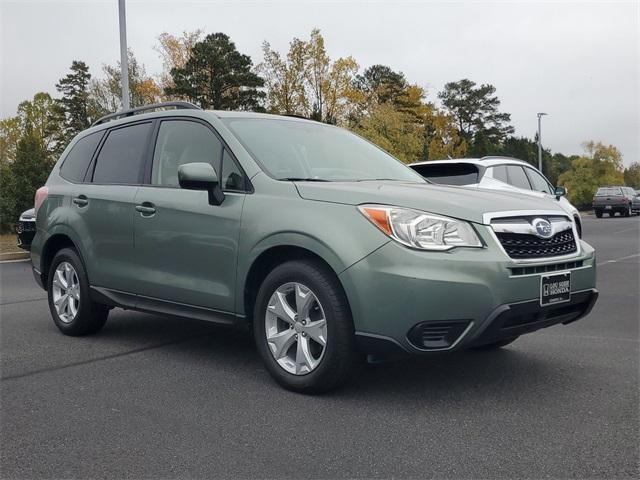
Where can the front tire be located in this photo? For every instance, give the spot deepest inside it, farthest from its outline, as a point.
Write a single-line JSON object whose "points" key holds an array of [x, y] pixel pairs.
{"points": [[72, 309], [303, 327]]}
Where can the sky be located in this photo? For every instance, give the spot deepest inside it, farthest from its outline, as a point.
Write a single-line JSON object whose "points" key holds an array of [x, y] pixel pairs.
{"points": [[577, 61]]}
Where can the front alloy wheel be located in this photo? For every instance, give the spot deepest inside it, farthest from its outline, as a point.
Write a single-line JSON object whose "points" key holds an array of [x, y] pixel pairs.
{"points": [[303, 328], [296, 328]]}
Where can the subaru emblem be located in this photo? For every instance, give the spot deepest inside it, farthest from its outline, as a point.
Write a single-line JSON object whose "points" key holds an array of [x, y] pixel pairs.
{"points": [[543, 228]]}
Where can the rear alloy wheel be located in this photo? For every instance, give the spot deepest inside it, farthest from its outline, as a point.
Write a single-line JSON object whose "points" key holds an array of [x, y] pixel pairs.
{"points": [[66, 292], [303, 328], [71, 307]]}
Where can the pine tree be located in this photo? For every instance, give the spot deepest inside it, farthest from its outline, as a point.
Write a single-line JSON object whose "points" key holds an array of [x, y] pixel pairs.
{"points": [[218, 76], [74, 88]]}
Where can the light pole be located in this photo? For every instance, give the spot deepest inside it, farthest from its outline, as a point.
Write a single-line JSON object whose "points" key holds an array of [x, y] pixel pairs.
{"points": [[540, 140], [124, 59]]}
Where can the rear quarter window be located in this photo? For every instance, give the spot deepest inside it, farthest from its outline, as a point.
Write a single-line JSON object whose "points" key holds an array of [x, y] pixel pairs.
{"points": [[75, 165]]}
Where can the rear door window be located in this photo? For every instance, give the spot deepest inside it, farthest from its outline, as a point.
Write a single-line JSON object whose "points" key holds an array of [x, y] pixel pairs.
{"points": [[78, 159], [180, 142], [517, 177], [121, 158], [499, 172]]}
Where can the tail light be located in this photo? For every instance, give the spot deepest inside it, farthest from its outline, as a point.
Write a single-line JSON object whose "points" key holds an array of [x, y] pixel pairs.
{"points": [[41, 195]]}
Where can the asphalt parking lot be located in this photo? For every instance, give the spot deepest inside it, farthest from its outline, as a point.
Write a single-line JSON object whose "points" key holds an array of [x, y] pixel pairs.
{"points": [[151, 397]]}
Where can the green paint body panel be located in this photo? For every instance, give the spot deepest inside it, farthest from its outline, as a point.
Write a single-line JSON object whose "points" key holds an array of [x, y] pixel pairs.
{"points": [[190, 252]]}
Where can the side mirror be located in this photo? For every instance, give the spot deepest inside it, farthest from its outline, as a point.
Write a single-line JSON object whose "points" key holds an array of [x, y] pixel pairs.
{"points": [[560, 192], [201, 176]]}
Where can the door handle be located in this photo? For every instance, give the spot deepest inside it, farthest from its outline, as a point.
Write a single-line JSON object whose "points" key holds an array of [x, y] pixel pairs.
{"points": [[146, 209], [80, 201]]}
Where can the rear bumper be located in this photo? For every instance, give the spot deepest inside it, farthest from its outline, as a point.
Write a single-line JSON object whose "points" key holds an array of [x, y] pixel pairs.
{"points": [[505, 321]]}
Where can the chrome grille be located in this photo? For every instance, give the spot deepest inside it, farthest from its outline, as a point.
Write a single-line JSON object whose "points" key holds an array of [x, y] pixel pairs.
{"points": [[519, 245], [520, 240]]}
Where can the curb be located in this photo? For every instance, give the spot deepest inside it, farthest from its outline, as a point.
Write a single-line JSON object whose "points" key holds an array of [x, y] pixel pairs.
{"points": [[14, 256]]}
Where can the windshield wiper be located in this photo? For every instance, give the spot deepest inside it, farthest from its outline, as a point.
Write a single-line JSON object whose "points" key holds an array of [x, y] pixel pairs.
{"points": [[304, 179]]}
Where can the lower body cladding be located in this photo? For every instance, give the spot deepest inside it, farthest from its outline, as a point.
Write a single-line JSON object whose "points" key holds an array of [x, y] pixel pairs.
{"points": [[417, 302]]}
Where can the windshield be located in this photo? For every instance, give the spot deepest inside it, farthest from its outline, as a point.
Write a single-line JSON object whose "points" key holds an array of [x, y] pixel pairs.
{"points": [[449, 173], [606, 191], [295, 150]]}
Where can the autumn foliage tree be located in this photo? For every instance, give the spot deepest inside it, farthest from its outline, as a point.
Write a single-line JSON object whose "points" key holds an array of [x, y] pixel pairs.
{"points": [[175, 51], [600, 165]]}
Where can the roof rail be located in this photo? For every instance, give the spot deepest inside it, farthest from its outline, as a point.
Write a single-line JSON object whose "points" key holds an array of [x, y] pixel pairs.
{"points": [[153, 106], [503, 157]]}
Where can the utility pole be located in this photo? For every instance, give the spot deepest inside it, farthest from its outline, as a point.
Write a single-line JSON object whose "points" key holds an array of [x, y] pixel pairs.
{"points": [[124, 59], [539, 140]]}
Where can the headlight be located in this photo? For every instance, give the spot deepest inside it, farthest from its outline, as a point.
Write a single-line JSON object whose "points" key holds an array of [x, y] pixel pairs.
{"points": [[417, 229]]}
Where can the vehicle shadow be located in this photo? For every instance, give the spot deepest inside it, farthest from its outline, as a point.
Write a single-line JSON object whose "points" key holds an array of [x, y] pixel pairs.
{"points": [[437, 377]]}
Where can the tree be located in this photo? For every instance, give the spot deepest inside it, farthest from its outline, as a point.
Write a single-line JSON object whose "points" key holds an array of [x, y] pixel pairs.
{"points": [[632, 175], [442, 139], [10, 131], [475, 110], [307, 82], [44, 117], [23, 177], [105, 94], [393, 131], [217, 76], [285, 79], [379, 84], [175, 52], [601, 165], [74, 88]]}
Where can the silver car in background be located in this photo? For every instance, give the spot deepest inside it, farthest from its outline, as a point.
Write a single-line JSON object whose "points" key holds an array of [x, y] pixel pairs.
{"points": [[496, 173]]}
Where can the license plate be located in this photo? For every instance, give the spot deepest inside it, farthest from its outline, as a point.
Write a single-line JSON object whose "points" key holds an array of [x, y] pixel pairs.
{"points": [[608, 207], [555, 288]]}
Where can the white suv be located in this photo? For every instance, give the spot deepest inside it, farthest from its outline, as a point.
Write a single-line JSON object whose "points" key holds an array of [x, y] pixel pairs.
{"points": [[496, 173]]}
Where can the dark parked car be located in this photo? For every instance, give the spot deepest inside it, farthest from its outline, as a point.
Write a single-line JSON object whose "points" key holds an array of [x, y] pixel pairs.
{"points": [[615, 199], [26, 228], [635, 203]]}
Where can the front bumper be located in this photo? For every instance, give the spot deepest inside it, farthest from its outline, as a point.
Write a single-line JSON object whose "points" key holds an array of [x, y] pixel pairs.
{"points": [[395, 289]]}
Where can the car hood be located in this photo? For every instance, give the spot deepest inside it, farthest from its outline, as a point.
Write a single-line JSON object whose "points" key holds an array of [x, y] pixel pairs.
{"points": [[459, 202]]}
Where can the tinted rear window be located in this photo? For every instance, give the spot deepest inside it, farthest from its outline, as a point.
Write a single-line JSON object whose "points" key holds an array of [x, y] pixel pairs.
{"points": [[449, 173], [121, 157], [605, 191], [75, 165]]}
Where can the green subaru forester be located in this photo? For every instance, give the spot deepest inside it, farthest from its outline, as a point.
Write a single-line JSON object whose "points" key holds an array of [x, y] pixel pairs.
{"points": [[328, 247]]}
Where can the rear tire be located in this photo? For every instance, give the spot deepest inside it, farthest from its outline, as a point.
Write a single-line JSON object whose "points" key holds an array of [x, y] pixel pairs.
{"points": [[627, 212], [598, 214], [495, 345], [289, 330], [72, 309]]}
